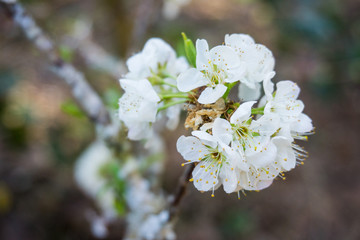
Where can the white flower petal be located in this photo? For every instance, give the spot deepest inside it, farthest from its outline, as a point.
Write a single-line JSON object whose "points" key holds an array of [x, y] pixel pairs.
{"points": [[260, 62], [266, 125], [207, 126], [229, 177], [253, 180], [269, 86], [285, 132], [237, 41], [228, 62], [235, 158], [137, 67], [249, 94], [141, 87], [262, 102], [202, 54], [138, 130], [287, 90], [179, 66], [248, 180], [206, 138], [222, 130], [191, 79], [264, 157], [242, 113], [155, 52], [211, 95], [289, 111], [191, 148], [285, 154], [135, 108], [302, 125], [158, 51], [256, 145], [262, 184], [203, 179]]}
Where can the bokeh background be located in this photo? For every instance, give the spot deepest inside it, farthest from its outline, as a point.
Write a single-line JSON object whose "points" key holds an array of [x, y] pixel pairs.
{"points": [[315, 42]]}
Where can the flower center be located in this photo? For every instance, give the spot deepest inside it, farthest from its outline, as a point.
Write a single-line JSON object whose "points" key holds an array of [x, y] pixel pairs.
{"points": [[215, 75], [215, 159], [244, 136]]}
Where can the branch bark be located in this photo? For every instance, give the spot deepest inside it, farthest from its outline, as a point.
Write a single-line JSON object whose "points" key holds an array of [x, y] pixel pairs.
{"points": [[93, 54], [146, 13], [180, 190], [87, 98]]}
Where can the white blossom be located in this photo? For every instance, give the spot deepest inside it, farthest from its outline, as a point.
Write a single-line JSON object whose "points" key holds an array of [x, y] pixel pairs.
{"points": [[158, 61], [258, 60], [214, 69], [217, 162], [285, 104], [156, 56], [154, 227], [87, 176], [138, 107], [146, 219], [251, 139], [98, 225]]}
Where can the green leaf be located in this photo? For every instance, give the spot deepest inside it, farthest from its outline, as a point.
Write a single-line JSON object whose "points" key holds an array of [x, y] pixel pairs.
{"points": [[255, 134], [189, 50], [70, 108], [112, 98], [120, 207], [66, 53]]}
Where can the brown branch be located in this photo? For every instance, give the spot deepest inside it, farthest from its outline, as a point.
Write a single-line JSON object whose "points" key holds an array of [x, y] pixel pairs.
{"points": [[87, 98], [180, 190]]}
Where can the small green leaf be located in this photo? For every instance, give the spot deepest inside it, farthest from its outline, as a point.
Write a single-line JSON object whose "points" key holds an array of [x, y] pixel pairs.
{"points": [[189, 50], [70, 108], [112, 98], [255, 134], [66, 53], [120, 207]]}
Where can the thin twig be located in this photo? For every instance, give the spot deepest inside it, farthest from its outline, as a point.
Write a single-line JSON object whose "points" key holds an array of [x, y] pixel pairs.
{"points": [[94, 55], [146, 13], [87, 98], [180, 190]]}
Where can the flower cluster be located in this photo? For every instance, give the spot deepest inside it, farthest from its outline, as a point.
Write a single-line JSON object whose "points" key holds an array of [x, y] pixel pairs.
{"points": [[243, 144], [244, 147], [150, 87]]}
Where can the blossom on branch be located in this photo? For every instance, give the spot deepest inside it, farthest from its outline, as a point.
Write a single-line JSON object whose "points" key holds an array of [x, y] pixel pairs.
{"points": [[240, 145], [138, 107], [258, 60], [214, 69], [155, 68]]}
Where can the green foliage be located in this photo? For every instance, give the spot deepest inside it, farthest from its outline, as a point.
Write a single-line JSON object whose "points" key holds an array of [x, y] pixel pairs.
{"points": [[111, 98], [190, 50], [110, 172], [71, 108], [66, 53]]}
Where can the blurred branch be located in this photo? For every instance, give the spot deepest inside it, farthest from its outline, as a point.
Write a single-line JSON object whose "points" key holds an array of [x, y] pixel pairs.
{"points": [[94, 55], [180, 190], [87, 98], [146, 14]]}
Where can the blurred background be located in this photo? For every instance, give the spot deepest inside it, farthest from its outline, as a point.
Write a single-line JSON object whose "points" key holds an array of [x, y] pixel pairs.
{"points": [[316, 43]]}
